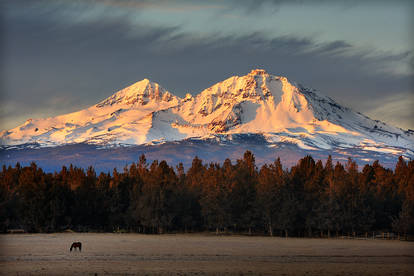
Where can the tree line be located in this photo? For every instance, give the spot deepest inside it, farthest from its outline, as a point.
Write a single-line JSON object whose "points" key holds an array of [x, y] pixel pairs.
{"points": [[309, 199]]}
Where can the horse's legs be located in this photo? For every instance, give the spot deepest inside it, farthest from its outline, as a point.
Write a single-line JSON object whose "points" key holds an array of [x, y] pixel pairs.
{"points": [[76, 245]]}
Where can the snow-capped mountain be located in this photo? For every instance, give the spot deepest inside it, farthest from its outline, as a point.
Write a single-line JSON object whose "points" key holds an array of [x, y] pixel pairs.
{"points": [[255, 104]]}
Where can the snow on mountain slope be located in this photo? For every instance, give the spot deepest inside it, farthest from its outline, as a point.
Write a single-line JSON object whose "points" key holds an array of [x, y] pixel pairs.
{"points": [[259, 103], [123, 117]]}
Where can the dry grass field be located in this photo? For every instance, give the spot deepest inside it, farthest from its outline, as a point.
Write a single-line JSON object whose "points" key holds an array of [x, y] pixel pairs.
{"points": [[198, 254]]}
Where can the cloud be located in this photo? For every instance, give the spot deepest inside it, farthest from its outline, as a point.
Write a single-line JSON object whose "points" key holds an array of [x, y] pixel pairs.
{"points": [[396, 109], [273, 6], [106, 7], [89, 60]]}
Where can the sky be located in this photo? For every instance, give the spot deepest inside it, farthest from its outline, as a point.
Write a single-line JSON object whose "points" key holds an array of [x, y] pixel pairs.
{"points": [[60, 56]]}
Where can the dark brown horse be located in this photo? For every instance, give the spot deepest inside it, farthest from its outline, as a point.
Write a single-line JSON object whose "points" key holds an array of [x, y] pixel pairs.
{"points": [[76, 245]]}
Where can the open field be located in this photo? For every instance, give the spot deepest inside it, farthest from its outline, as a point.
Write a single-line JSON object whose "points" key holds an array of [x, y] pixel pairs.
{"points": [[197, 254]]}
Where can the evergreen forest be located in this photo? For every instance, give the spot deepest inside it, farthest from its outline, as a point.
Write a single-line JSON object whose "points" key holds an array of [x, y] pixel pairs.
{"points": [[311, 199]]}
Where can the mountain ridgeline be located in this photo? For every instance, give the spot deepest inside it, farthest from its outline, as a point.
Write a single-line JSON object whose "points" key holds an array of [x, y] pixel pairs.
{"points": [[266, 114], [257, 103]]}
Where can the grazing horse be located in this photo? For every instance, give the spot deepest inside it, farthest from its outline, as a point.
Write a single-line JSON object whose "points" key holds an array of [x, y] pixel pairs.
{"points": [[76, 245]]}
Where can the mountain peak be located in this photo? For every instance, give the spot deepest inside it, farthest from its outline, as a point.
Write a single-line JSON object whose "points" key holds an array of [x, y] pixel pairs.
{"points": [[256, 72], [139, 93], [255, 103]]}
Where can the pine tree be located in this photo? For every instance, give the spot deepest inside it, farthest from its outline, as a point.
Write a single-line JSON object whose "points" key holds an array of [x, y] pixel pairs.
{"points": [[243, 196], [271, 181]]}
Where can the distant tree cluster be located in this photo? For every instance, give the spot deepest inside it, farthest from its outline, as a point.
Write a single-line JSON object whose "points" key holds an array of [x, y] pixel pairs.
{"points": [[309, 199]]}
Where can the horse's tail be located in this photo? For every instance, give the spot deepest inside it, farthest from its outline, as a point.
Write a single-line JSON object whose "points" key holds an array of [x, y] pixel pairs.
{"points": [[71, 248], [80, 246]]}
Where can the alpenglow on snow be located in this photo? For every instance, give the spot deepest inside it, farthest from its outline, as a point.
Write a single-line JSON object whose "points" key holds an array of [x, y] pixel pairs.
{"points": [[258, 103]]}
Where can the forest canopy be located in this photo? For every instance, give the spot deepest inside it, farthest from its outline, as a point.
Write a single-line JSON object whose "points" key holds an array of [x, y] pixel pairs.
{"points": [[310, 199]]}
